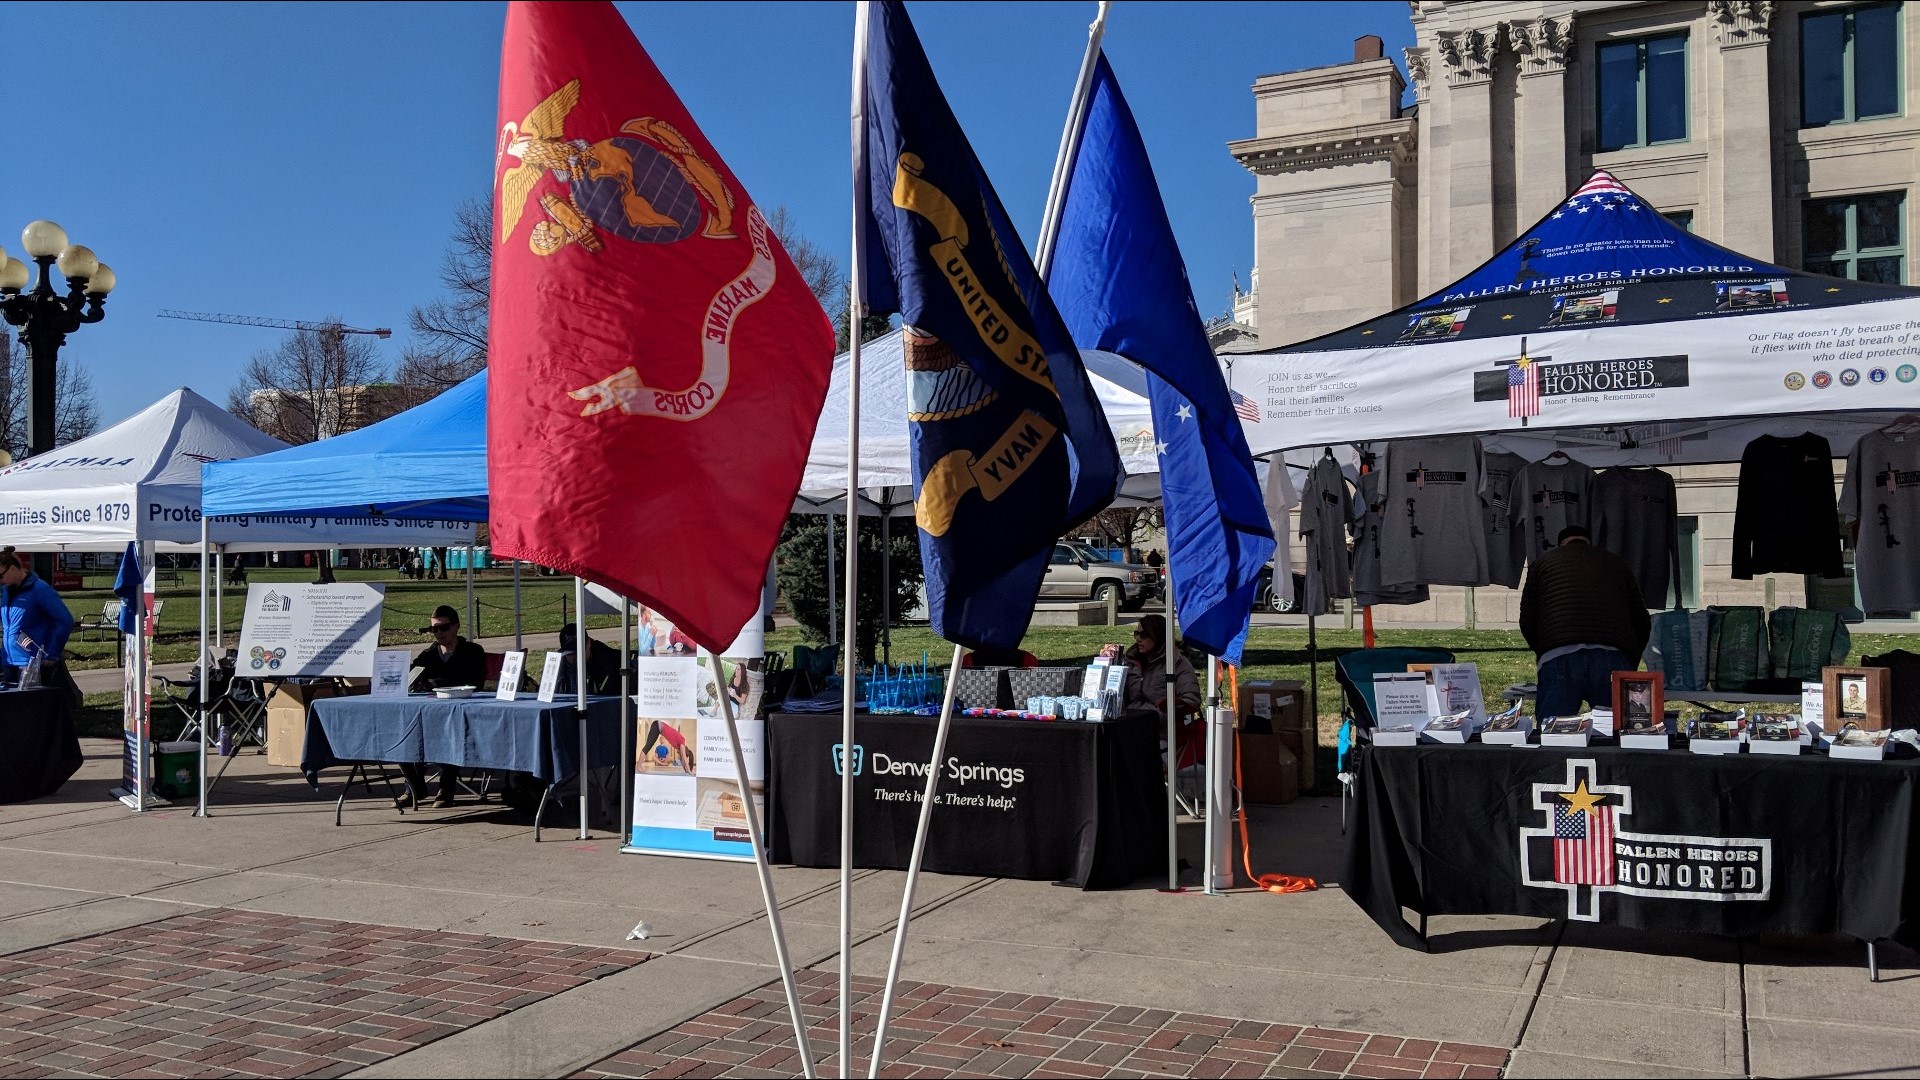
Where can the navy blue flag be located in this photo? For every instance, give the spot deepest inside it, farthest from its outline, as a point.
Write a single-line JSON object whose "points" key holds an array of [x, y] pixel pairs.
{"points": [[1122, 287], [130, 586], [1010, 447]]}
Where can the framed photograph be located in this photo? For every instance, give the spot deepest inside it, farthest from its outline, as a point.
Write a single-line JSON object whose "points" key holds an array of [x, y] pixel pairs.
{"points": [[1856, 697], [1639, 702]]}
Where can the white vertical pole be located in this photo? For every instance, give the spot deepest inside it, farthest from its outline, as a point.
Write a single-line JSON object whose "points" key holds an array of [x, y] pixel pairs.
{"points": [[833, 590], [206, 669], [761, 869], [856, 310], [516, 606], [473, 611], [913, 870], [1069, 144], [219, 596], [625, 765], [1215, 789], [580, 687], [143, 719], [1173, 736]]}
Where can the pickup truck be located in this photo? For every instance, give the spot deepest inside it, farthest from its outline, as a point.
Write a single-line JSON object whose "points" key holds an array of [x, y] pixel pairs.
{"points": [[1077, 572]]}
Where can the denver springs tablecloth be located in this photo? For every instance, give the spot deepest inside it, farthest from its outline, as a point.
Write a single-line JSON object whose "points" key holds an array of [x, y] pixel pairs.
{"points": [[1078, 803], [1671, 841]]}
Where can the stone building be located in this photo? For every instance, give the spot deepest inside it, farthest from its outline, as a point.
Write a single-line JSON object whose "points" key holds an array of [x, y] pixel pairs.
{"points": [[1776, 129]]}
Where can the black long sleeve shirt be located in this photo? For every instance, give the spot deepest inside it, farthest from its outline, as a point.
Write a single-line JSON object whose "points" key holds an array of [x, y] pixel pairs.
{"points": [[1785, 520]]}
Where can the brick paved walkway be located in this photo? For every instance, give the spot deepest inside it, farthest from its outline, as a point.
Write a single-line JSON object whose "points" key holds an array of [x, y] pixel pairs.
{"points": [[237, 993], [946, 1030]]}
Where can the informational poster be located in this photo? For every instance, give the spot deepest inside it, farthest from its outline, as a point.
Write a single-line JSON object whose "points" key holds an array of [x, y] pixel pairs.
{"points": [[390, 668], [1400, 700], [550, 675], [511, 665], [686, 793], [310, 631]]}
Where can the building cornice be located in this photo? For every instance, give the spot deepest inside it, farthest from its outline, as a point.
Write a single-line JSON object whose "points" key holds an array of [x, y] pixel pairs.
{"points": [[1741, 22], [1388, 140]]}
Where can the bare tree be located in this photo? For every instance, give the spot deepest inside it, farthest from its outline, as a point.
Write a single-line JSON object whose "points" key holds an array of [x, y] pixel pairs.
{"points": [[818, 268], [1127, 525], [314, 385], [450, 332], [76, 413]]}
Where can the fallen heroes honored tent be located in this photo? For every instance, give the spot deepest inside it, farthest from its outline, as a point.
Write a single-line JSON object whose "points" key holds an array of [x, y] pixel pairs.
{"points": [[1607, 328]]}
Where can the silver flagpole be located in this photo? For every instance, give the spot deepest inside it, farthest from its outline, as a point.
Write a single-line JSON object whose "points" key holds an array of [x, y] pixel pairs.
{"points": [[1211, 770], [849, 639], [580, 687], [206, 669], [913, 868], [764, 872], [1070, 142], [625, 764], [1173, 755], [833, 590], [516, 606]]}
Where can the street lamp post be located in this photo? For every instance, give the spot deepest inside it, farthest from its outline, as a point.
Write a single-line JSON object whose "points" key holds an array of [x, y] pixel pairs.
{"points": [[46, 318]]}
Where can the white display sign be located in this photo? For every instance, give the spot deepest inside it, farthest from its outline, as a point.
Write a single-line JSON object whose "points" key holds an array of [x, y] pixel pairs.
{"points": [[550, 675], [1400, 701], [390, 668], [510, 669], [310, 631], [1457, 688]]}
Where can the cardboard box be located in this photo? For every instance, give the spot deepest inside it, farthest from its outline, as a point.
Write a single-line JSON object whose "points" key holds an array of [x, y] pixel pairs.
{"points": [[1304, 743], [1269, 773], [287, 720], [1267, 705]]}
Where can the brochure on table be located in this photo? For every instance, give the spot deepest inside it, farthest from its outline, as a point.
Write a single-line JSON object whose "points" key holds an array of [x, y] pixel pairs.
{"points": [[310, 631], [550, 675], [686, 790], [390, 667], [1400, 700], [511, 665]]}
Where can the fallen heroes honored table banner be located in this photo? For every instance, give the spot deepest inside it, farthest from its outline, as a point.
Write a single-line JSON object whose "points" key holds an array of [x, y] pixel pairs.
{"points": [[1734, 845]]}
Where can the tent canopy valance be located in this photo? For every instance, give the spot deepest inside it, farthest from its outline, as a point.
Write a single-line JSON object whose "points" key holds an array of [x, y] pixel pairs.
{"points": [[427, 463], [139, 480], [1607, 331]]}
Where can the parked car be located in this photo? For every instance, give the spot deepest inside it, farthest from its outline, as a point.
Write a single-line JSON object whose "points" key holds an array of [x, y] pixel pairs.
{"points": [[1270, 600], [1079, 572]]}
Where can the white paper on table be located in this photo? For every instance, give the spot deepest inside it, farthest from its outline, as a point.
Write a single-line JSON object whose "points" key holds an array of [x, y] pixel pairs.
{"points": [[510, 669], [390, 668], [550, 675], [1400, 699]]}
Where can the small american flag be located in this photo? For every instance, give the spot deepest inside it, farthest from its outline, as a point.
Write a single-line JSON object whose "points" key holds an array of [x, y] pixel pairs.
{"points": [[1582, 845], [1523, 389], [1245, 406]]}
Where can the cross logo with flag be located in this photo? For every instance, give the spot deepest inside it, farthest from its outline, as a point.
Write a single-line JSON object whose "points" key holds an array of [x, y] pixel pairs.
{"points": [[1523, 386]]}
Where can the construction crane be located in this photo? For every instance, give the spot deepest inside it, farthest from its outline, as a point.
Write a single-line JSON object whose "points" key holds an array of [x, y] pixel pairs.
{"points": [[331, 328]]}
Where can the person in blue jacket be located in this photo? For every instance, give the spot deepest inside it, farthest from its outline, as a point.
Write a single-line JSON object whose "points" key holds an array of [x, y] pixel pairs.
{"points": [[33, 621]]}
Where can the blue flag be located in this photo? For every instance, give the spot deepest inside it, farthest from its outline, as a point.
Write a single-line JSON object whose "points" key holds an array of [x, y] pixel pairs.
{"points": [[1010, 447], [130, 586], [1122, 288]]}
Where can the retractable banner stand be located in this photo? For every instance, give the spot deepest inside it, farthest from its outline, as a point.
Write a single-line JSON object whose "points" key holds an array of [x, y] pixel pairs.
{"points": [[310, 631], [136, 700], [686, 792]]}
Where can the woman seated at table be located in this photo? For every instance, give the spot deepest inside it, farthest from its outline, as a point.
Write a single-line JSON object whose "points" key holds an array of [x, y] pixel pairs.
{"points": [[1147, 671], [450, 661]]}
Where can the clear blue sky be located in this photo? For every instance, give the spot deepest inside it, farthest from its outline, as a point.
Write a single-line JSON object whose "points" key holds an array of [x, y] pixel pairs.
{"points": [[304, 160]]}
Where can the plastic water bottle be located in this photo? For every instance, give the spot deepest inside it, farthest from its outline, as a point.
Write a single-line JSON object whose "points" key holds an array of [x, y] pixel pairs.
{"points": [[226, 741]]}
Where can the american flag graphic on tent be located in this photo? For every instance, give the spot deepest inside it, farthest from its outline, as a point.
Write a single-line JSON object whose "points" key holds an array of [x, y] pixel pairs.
{"points": [[1523, 386], [1582, 845], [1245, 406]]}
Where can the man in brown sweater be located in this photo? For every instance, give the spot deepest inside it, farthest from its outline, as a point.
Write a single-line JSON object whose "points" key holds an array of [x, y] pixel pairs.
{"points": [[1582, 615]]}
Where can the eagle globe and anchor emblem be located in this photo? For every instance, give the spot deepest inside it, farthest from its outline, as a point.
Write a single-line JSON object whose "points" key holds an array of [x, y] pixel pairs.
{"points": [[646, 184]]}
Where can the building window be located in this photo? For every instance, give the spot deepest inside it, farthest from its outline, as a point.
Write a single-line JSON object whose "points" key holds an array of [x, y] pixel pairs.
{"points": [[1859, 237], [1686, 591], [1682, 218], [1849, 65], [1643, 92]]}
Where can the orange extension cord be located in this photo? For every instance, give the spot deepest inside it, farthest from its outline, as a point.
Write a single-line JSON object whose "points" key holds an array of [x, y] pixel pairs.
{"points": [[1273, 883]]}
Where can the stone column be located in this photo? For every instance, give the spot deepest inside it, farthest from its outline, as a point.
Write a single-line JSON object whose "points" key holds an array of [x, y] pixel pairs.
{"points": [[1745, 112], [1425, 171], [1468, 56], [1540, 141]]}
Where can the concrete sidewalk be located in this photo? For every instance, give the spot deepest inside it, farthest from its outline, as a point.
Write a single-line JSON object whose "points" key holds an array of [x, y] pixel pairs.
{"points": [[266, 941]]}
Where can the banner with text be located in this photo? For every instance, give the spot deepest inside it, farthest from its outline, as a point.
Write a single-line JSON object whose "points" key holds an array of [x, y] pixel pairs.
{"points": [[310, 631]]}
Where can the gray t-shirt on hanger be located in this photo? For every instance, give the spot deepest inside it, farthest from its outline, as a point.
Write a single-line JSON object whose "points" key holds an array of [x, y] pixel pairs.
{"points": [[1430, 530], [1547, 497], [1882, 494], [1506, 547], [1324, 510]]}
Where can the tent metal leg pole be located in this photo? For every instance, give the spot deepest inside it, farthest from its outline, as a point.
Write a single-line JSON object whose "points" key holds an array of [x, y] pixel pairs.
{"points": [[762, 870], [580, 690], [1313, 672], [886, 582], [219, 597], [517, 621], [473, 612], [625, 764], [1173, 751], [833, 590], [206, 670], [913, 871]]}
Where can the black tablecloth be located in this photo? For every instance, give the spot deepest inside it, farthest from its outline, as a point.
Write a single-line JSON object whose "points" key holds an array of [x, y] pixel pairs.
{"points": [[1786, 845], [1078, 803], [39, 749], [541, 738]]}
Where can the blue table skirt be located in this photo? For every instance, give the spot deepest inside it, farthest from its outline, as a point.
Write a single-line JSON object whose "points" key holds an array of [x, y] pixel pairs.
{"points": [[542, 738]]}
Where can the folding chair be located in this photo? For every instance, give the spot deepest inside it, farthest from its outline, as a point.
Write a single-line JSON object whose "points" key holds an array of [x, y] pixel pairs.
{"points": [[812, 667], [1354, 671]]}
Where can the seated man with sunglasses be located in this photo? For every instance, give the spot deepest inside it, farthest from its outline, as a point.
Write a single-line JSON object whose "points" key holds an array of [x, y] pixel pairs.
{"points": [[450, 661]]}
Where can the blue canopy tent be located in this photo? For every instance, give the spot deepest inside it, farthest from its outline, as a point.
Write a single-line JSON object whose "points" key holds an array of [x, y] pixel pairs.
{"points": [[427, 462]]}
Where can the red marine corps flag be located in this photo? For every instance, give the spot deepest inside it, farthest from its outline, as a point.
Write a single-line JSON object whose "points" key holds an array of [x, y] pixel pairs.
{"points": [[656, 363]]}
